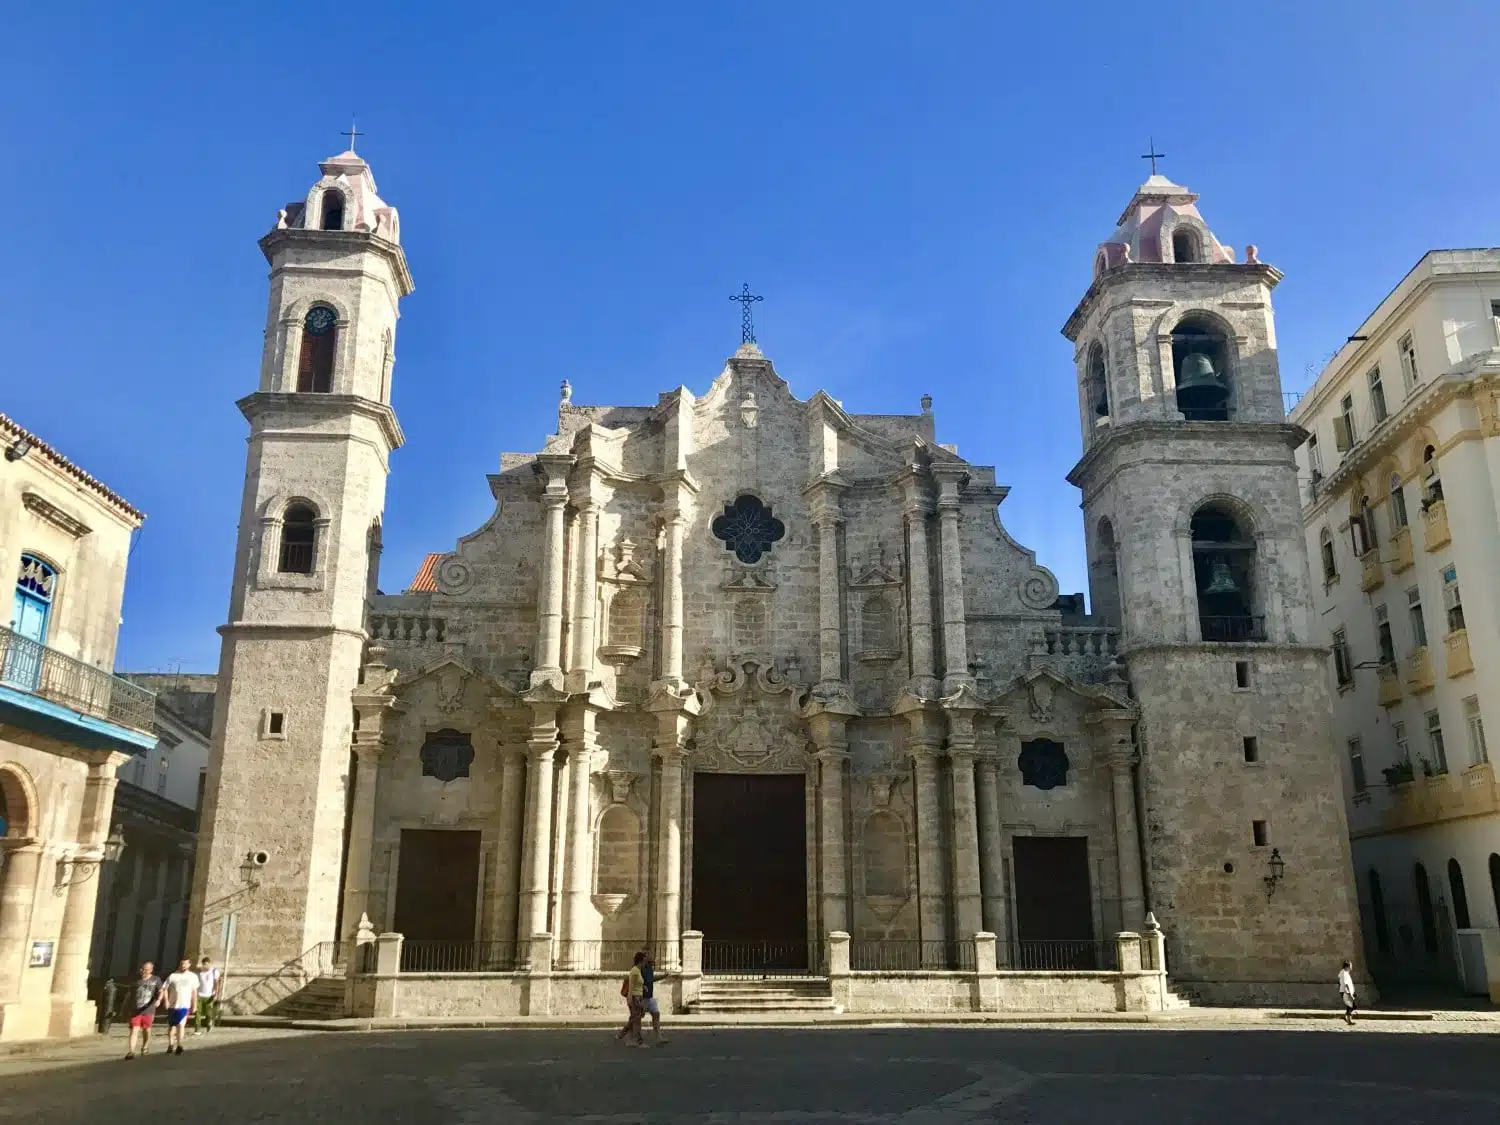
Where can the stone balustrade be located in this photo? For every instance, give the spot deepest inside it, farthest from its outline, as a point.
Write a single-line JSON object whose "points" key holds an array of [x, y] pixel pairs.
{"points": [[408, 628]]}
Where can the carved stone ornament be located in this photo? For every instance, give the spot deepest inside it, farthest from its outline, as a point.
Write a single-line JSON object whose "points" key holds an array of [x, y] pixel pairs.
{"points": [[1042, 689], [448, 686], [454, 575], [1039, 589], [749, 722], [620, 783]]}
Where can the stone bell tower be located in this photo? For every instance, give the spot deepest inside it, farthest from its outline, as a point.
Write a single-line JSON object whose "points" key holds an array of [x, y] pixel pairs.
{"points": [[321, 434], [1195, 546]]}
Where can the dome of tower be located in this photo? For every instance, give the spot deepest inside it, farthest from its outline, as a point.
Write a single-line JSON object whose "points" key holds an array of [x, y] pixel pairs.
{"points": [[344, 198], [1161, 224]]}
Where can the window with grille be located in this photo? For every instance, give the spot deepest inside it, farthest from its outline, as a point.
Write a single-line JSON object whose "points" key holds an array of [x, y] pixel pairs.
{"points": [[1438, 752], [1377, 395], [298, 539], [1408, 352], [1343, 667], [1418, 623], [1475, 722], [1453, 600]]}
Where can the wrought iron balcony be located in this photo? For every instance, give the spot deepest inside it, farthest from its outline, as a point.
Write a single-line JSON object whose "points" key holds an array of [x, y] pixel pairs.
{"points": [[1240, 627], [28, 666]]}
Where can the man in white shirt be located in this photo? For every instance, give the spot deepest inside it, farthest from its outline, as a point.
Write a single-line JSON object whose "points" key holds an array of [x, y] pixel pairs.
{"points": [[1346, 992], [182, 998], [208, 997]]}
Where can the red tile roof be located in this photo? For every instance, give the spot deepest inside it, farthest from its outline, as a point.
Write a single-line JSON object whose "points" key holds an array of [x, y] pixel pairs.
{"points": [[426, 580], [11, 431]]}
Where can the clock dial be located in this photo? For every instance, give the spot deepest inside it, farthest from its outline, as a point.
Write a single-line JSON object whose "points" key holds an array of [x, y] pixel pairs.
{"points": [[320, 320]]}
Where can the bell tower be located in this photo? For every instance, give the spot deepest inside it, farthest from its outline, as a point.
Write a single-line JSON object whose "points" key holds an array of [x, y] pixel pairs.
{"points": [[1195, 549], [321, 434]]}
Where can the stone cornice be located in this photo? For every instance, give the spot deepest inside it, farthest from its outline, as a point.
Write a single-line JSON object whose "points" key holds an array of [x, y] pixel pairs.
{"points": [[252, 406], [1165, 272], [1136, 433], [298, 238]]}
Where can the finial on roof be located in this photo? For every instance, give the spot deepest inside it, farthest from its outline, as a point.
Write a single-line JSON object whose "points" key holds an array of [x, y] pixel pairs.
{"points": [[747, 320], [1153, 155], [1252, 253], [567, 392], [926, 404]]}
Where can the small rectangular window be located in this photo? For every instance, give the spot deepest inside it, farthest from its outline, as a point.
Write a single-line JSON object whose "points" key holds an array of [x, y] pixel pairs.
{"points": [[1357, 765], [1409, 374], [1418, 623], [1258, 833], [1403, 748], [1383, 637], [272, 724], [1344, 435], [1438, 762], [1477, 749], [1242, 675], [1377, 395], [1314, 457], [1252, 748], [1453, 600], [1343, 666]]}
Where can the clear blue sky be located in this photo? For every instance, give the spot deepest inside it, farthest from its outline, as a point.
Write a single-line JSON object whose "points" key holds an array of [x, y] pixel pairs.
{"points": [[916, 188]]}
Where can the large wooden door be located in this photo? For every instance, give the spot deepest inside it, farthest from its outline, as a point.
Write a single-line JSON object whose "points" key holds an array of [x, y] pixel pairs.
{"points": [[750, 871], [437, 882], [1054, 907]]}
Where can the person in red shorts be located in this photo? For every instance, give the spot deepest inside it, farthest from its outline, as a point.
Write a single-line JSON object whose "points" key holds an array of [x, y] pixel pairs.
{"points": [[144, 1000]]}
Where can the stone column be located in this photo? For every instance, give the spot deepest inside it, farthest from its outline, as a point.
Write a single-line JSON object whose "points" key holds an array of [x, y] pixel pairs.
{"points": [[967, 906], [830, 648], [669, 854], [536, 841], [553, 582], [671, 619], [578, 914], [955, 638], [23, 862], [991, 849], [72, 1010], [1114, 728], [832, 844], [586, 596], [508, 853], [361, 831], [920, 587], [931, 905]]}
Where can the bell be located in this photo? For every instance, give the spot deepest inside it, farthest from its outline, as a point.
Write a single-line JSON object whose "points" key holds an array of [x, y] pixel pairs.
{"points": [[1198, 384], [1101, 407], [1221, 581]]}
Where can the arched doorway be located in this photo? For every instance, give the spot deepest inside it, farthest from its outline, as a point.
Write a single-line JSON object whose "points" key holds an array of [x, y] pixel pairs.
{"points": [[1424, 909]]}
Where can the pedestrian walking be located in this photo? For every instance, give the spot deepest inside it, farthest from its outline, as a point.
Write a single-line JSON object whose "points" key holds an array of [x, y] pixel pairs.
{"points": [[633, 989], [1346, 992], [208, 997], [145, 998], [653, 1009], [182, 998]]}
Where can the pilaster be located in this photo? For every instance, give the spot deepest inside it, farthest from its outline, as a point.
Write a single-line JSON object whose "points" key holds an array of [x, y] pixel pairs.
{"points": [[916, 507], [1114, 728], [554, 469], [950, 480]]}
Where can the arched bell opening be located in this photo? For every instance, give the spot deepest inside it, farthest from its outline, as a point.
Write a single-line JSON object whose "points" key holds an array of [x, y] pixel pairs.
{"points": [[1200, 361], [1224, 573], [1097, 384], [1106, 574]]}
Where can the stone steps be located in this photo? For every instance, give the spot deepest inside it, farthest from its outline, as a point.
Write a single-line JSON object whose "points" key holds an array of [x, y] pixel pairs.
{"points": [[738, 997], [320, 999]]}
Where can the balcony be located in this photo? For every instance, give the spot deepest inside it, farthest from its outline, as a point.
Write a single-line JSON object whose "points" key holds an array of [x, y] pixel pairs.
{"points": [[1241, 627], [1431, 800], [1390, 685], [1401, 550], [1372, 575], [1419, 670], [79, 704], [1458, 661], [1435, 519]]}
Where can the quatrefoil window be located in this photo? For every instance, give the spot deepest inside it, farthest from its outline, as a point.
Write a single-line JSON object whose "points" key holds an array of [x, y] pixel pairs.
{"points": [[747, 528]]}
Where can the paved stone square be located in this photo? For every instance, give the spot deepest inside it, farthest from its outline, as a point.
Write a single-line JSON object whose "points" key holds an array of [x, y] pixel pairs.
{"points": [[906, 1075]]}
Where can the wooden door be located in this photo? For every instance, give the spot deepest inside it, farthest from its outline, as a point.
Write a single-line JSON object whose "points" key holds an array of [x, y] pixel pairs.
{"points": [[1054, 906], [437, 883]]}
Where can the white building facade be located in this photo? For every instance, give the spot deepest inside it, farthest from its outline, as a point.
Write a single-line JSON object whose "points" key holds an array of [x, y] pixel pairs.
{"points": [[1400, 475]]}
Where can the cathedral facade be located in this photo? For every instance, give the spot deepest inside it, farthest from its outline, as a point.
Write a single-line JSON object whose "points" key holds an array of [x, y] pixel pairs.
{"points": [[766, 669]]}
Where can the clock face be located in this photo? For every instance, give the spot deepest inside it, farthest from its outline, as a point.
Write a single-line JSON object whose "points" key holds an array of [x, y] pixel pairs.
{"points": [[320, 320]]}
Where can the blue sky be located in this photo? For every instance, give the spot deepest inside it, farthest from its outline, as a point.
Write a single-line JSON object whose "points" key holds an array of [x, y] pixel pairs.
{"points": [[915, 188]]}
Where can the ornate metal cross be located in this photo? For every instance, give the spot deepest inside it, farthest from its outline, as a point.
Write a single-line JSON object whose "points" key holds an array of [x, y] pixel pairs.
{"points": [[1153, 155], [352, 133], [747, 320]]}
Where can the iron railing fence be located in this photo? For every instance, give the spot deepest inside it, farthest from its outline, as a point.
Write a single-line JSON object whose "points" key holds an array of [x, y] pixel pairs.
{"points": [[1058, 956], [433, 956], [38, 670], [1239, 627], [758, 960], [609, 955], [898, 955]]}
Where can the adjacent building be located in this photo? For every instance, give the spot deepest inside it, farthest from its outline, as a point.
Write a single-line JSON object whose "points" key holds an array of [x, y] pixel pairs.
{"points": [[768, 669], [66, 725], [1400, 481]]}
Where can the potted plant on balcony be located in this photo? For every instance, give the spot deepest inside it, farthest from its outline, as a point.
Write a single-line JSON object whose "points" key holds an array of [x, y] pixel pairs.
{"points": [[1399, 774]]}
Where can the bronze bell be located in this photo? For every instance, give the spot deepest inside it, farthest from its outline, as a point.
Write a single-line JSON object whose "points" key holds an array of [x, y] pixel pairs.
{"points": [[1221, 580], [1199, 386]]}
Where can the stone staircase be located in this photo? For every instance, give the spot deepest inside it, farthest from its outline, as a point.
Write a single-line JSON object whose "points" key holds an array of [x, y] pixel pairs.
{"points": [[320, 999], [1178, 998], [769, 996]]}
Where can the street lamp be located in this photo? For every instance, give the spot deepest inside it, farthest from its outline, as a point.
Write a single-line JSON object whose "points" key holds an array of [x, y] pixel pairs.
{"points": [[1278, 871], [75, 869]]}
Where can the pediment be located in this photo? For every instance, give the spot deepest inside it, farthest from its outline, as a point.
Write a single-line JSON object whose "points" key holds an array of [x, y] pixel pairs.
{"points": [[1037, 693]]}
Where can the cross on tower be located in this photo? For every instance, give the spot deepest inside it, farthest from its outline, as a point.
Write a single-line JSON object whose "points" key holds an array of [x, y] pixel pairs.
{"points": [[352, 132], [1153, 155], [747, 321]]}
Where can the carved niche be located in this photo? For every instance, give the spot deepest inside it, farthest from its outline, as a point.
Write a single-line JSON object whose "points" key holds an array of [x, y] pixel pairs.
{"points": [[750, 722]]}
